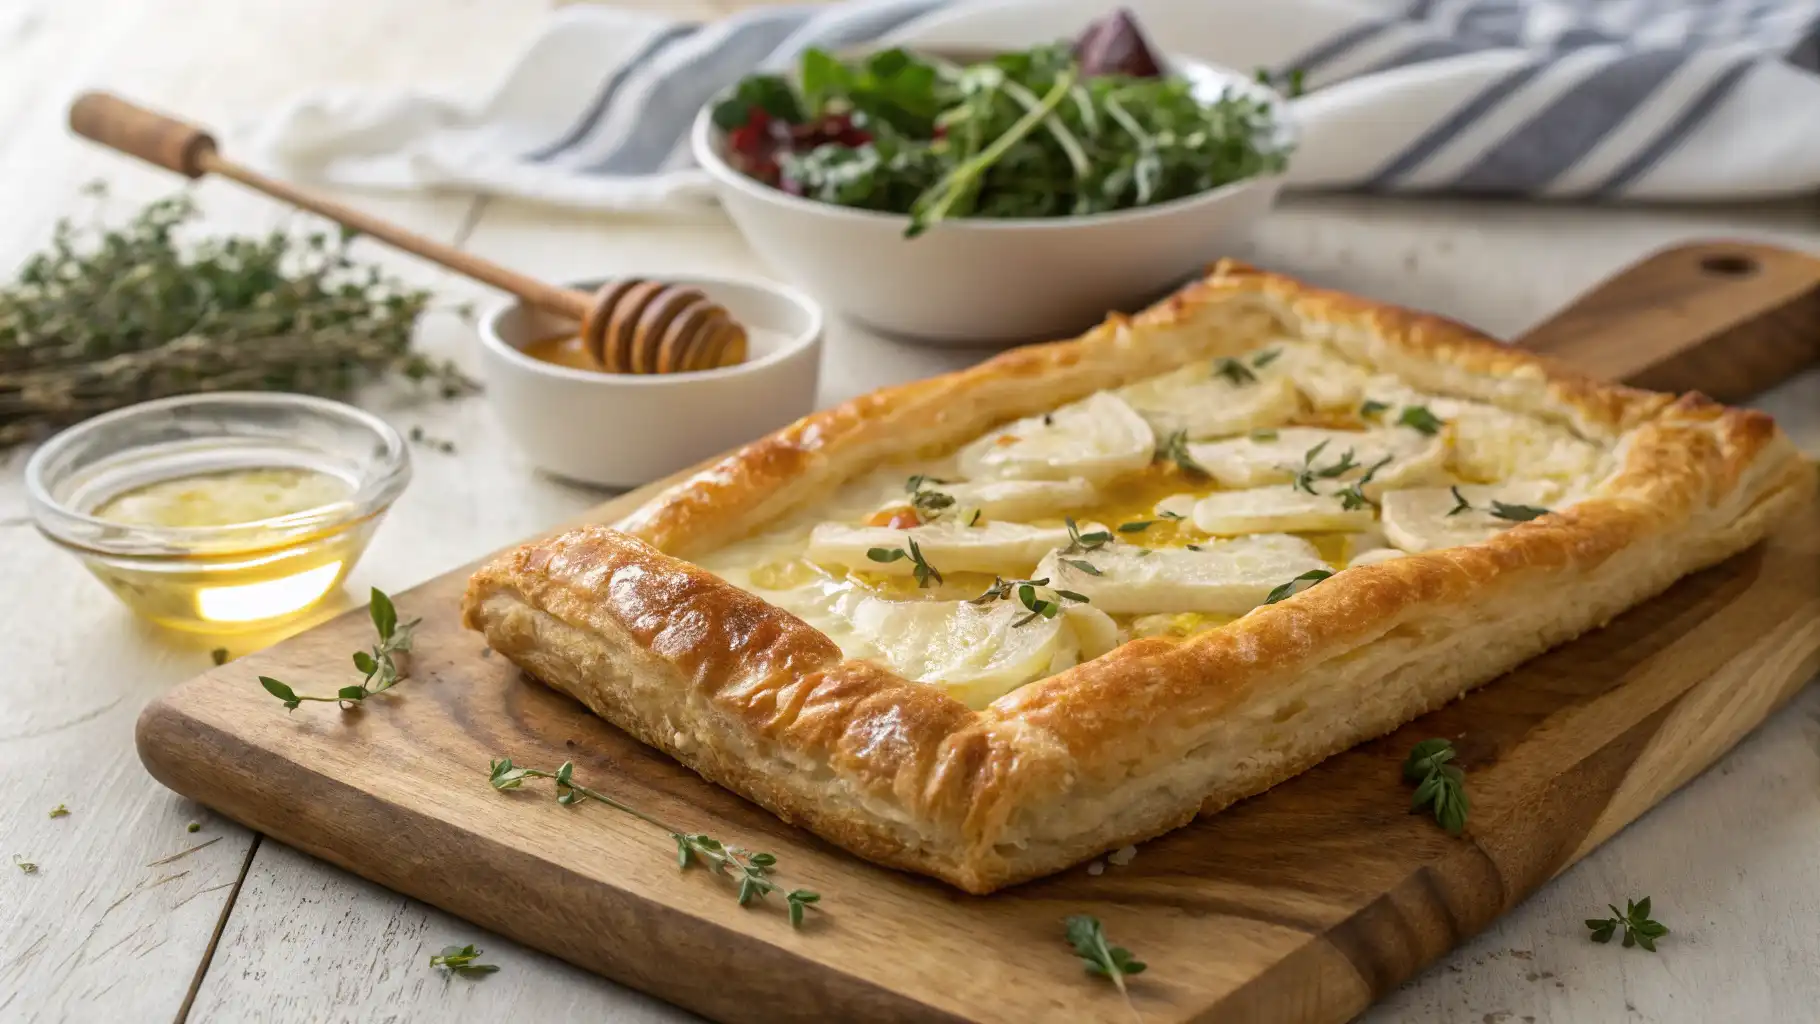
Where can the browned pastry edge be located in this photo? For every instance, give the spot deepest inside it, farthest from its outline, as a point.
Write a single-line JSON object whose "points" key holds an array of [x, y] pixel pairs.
{"points": [[1136, 742]]}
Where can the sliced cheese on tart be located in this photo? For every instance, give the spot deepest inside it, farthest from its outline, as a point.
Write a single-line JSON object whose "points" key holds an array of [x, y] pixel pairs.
{"points": [[1096, 439], [947, 545], [1281, 509], [1008, 499], [1328, 456], [1230, 577], [1431, 518], [1215, 399], [1325, 380], [978, 652]]}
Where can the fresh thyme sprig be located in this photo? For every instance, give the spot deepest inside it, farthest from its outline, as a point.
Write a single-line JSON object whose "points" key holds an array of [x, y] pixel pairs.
{"points": [[1162, 516], [109, 315], [1498, 509], [925, 499], [751, 870], [1115, 963], [1175, 449], [1439, 785], [924, 572], [1307, 473], [1354, 497], [1635, 922], [1417, 417], [1080, 543], [460, 960], [1028, 596], [1293, 587], [1235, 372], [380, 664]]}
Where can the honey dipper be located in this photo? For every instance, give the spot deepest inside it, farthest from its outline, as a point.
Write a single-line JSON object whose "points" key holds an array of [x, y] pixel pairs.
{"points": [[627, 326]]}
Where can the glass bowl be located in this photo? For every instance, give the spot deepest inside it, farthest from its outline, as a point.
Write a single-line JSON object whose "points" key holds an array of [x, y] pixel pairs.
{"points": [[218, 579]]}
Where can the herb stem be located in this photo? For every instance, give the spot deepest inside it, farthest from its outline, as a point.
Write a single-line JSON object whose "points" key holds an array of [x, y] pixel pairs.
{"points": [[933, 205]]}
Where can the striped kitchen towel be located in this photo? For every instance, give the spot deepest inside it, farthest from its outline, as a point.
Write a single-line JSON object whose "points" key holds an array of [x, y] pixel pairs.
{"points": [[1608, 99]]}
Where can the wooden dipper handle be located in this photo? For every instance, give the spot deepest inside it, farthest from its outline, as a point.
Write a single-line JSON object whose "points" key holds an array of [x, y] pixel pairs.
{"points": [[627, 326], [153, 137]]}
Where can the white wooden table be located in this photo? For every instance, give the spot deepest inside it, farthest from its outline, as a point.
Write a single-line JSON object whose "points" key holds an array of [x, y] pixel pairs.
{"points": [[131, 917]]}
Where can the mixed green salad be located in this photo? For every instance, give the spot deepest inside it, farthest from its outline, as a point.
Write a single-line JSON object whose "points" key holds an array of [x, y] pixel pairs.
{"points": [[1053, 131]]}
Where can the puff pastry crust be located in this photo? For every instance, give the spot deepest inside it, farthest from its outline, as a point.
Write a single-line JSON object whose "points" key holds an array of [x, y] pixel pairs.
{"points": [[1136, 742]]}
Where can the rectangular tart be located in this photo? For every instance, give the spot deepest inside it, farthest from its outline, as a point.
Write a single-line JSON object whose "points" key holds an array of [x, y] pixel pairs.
{"points": [[998, 622]]}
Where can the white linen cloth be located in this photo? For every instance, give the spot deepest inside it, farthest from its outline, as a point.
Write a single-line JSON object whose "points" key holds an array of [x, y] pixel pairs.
{"points": [[1603, 99]]}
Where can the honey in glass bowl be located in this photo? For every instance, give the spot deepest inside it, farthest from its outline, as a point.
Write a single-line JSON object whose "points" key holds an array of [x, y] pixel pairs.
{"points": [[223, 513]]}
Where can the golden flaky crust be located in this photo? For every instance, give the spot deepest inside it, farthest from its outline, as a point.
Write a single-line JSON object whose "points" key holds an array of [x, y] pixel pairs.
{"points": [[1136, 742]]}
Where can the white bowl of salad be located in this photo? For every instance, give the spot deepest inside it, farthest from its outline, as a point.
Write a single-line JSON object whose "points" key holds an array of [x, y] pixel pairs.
{"points": [[1006, 198]]}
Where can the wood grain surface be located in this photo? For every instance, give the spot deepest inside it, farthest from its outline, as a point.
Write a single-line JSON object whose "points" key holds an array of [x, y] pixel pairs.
{"points": [[1304, 904]]}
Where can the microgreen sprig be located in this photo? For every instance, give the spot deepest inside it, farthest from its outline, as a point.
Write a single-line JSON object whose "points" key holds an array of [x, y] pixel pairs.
{"points": [[751, 870], [1439, 785], [1175, 449], [1115, 963], [924, 572], [460, 960], [1634, 921], [380, 664]]}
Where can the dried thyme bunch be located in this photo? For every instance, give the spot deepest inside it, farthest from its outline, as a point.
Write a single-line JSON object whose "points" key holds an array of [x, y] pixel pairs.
{"points": [[111, 316]]}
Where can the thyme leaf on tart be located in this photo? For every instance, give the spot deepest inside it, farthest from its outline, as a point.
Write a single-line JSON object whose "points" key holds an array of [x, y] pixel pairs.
{"points": [[1175, 449], [1372, 409], [380, 664], [1417, 417], [1083, 565], [1309, 472], [1460, 504], [1517, 513], [928, 502], [1294, 587], [1140, 525], [1264, 435], [1265, 358], [1439, 784], [924, 571], [1079, 542], [1114, 963], [1634, 921], [1235, 372], [1498, 509], [460, 960], [1354, 497], [751, 870]]}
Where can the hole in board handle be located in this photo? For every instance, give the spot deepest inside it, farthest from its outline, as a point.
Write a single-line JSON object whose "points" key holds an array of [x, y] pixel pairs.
{"points": [[1729, 264]]}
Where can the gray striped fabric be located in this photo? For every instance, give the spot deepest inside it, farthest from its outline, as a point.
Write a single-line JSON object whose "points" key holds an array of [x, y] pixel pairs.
{"points": [[1675, 99]]}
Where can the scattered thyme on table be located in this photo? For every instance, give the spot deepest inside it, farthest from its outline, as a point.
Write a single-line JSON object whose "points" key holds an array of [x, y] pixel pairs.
{"points": [[1115, 963], [460, 960], [751, 870], [379, 664], [1634, 921], [1052, 131], [1439, 785]]}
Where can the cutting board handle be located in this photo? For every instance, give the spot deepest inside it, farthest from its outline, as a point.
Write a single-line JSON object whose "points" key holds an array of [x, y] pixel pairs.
{"points": [[1728, 319]]}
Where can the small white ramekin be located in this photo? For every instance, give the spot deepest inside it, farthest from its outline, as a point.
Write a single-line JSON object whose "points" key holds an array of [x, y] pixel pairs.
{"points": [[622, 429]]}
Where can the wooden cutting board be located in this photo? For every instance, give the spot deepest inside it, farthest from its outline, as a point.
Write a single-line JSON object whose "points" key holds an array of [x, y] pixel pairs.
{"points": [[1303, 904]]}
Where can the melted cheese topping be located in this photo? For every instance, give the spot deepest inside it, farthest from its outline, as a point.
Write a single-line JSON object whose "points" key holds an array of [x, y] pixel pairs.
{"points": [[1165, 508]]}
